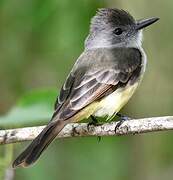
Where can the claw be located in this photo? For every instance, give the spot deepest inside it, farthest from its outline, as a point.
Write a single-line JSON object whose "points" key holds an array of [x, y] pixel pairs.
{"points": [[90, 124], [94, 122], [122, 119]]}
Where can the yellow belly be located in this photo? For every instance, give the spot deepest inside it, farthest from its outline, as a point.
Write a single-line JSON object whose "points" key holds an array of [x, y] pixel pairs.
{"points": [[108, 105], [115, 101]]}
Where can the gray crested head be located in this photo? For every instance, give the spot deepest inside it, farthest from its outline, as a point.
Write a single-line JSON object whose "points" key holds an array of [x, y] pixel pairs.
{"points": [[115, 28], [106, 19]]}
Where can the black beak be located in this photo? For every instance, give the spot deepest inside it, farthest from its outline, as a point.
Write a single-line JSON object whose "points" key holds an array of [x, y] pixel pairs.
{"points": [[145, 22]]}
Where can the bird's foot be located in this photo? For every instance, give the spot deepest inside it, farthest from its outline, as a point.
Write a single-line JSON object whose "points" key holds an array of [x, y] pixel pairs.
{"points": [[122, 119], [94, 122]]}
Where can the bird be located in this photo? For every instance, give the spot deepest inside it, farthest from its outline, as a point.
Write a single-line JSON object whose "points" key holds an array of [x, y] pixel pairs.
{"points": [[102, 80]]}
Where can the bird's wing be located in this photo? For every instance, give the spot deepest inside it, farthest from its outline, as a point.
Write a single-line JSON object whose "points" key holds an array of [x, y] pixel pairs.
{"points": [[90, 82], [96, 74]]}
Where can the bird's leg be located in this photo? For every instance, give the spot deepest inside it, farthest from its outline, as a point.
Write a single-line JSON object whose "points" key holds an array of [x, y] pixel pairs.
{"points": [[122, 119], [123, 116], [95, 123]]}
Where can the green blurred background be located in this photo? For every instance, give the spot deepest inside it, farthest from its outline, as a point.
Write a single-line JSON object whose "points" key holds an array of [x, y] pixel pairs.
{"points": [[39, 42]]}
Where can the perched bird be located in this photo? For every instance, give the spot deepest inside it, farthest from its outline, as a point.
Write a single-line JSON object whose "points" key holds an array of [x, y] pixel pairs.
{"points": [[101, 81]]}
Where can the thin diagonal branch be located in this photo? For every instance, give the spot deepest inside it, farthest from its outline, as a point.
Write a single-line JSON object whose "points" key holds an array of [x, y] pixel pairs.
{"points": [[135, 126]]}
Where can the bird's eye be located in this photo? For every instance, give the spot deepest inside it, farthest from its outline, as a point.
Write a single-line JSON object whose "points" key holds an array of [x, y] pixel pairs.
{"points": [[118, 31]]}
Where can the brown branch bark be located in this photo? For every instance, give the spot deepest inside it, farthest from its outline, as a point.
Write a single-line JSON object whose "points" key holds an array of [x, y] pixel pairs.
{"points": [[135, 126]]}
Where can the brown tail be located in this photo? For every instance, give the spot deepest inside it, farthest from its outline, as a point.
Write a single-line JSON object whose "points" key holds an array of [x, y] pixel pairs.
{"points": [[39, 144]]}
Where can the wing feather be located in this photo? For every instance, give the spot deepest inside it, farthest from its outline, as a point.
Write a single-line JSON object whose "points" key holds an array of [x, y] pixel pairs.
{"points": [[86, 84]]}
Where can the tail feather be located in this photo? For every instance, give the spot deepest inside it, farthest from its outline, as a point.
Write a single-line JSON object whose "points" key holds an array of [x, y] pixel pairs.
{"points": [[39, 144]]}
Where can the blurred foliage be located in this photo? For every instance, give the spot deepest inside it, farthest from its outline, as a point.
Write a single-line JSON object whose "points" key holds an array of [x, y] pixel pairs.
{"points": [[5, 159], [34, 108], [39, 42]]}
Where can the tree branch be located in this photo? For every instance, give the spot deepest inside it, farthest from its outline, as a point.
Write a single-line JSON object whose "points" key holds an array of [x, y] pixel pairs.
{"points": [[135, 126]]}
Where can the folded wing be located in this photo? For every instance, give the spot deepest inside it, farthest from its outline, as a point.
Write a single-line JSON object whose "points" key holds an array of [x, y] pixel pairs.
{"points": [[93, 79]]}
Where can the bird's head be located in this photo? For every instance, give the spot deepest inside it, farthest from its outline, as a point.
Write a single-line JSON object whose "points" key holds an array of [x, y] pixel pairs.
{"points": [[116, 28]]}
